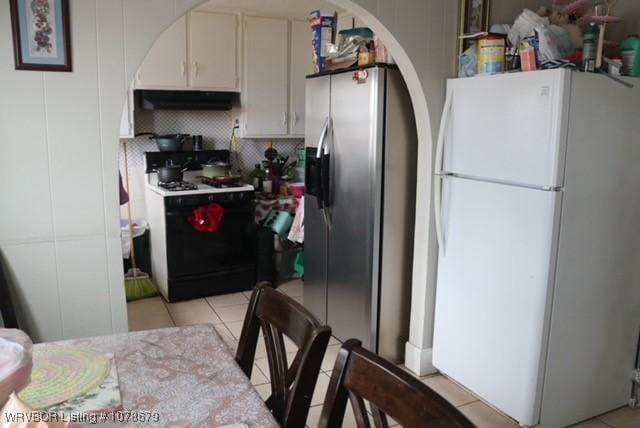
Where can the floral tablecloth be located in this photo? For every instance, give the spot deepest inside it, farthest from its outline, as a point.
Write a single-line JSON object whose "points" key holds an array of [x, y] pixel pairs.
{"points": [[185, 376]]}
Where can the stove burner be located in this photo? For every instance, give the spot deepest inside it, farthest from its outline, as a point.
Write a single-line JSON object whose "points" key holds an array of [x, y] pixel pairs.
{"points": [[223, 182], [178, 186]]}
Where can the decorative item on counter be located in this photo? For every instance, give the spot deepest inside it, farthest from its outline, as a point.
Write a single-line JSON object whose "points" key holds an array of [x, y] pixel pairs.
{"points": [[491, 54], [324, 32], [630, 51], [590, 48]]}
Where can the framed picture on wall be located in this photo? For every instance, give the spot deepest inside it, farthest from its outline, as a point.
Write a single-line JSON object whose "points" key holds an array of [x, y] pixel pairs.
{"points": [[474, 18], [41, 35]]}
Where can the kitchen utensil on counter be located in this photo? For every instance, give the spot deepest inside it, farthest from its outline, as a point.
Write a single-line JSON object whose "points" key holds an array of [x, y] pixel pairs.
{"points": [[171, 173], [216, 169], [221, 181], [137, 284]]}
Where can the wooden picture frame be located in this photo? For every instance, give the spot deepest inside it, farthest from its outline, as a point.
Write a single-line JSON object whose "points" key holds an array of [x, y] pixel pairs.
{"points": [[474, 18], [41, 35]]}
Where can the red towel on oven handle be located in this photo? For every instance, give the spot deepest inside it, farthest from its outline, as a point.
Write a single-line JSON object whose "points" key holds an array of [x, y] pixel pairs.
{"points": [[207, 218]]}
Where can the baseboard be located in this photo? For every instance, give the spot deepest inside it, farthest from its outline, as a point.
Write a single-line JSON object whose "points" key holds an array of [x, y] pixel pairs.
{"points": [[419, 361]]}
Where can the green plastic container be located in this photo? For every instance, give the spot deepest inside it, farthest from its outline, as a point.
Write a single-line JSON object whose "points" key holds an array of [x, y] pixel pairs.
{"points": [[630, 50]]}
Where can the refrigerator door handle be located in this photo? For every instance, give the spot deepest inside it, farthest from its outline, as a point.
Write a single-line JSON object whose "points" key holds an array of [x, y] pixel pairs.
{"points": [[437, 185], [323, 136]]}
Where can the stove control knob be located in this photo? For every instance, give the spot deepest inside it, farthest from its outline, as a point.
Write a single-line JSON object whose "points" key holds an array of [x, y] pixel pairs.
{"points": [[230, 197]]}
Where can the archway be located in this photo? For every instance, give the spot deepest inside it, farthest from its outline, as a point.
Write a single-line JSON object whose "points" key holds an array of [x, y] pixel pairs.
{"points": [[418, 355]]}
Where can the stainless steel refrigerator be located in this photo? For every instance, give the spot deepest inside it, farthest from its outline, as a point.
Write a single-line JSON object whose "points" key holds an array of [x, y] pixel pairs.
{"points": [[360, 205]]}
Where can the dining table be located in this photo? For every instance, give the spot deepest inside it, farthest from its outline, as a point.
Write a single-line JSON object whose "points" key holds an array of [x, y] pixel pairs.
{"points": [[178, 377]]}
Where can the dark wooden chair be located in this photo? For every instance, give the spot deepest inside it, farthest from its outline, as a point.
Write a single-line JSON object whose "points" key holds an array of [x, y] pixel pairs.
{"points": [[360, 375], [7, 311], [292, 385]]}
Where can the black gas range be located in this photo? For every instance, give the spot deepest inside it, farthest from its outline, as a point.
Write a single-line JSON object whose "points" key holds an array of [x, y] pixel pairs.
{"points": [[191, 263]]}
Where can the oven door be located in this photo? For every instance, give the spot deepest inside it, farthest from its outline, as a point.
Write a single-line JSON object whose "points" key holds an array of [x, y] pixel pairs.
{"points": [[191, 253]]}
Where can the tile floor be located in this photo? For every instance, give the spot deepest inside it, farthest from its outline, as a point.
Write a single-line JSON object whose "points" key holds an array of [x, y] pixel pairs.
{"points": [[227, 312]]}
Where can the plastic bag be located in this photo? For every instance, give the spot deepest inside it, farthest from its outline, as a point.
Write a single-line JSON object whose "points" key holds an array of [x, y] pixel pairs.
{"points": [[468, 64], [553, 41], [525, 26]]}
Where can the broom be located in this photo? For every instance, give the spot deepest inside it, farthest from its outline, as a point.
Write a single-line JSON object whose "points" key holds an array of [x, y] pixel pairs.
{"points": [[137, 284]]}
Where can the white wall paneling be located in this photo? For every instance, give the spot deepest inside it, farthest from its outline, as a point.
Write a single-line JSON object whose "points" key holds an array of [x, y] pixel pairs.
{"points": [[66, 126], [32, 266]]}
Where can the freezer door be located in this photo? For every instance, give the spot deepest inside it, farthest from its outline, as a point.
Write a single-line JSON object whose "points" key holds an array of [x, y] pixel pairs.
{"points": [[493, 290], [356, 179], [315, 230], [510, 128]]}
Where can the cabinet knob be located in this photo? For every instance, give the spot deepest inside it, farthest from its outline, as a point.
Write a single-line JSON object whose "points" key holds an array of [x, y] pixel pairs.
{"points": [[195, 68], [295, 118], [284, 118], [183, 68]]}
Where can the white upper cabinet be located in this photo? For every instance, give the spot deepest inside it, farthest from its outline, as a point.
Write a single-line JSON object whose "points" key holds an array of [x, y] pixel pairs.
{"points": [[266, 54], [301, 65], [213, 51], [165, 66]]}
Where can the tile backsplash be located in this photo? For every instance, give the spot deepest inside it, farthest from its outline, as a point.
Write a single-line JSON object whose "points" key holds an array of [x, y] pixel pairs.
{"points": [[215, 128]]}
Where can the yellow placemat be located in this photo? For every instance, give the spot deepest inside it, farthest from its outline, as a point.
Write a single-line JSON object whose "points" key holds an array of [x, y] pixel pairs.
{"points": [[60, 374]]}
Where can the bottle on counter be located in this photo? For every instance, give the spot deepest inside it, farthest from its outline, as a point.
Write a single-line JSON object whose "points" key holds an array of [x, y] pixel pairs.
{"points": [[590, 48], [630, 51], [257, 177]]}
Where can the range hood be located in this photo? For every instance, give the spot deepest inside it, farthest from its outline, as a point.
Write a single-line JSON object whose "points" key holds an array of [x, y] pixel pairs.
{"points": [[185, 100]]}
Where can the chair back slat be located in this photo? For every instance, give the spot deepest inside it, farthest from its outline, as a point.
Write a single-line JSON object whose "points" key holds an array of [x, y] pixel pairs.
{"points": [[359, 375], [292, 383]]}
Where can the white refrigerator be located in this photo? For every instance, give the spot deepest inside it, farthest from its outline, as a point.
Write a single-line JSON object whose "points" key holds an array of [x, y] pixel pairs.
{"points": [[537, 205]]}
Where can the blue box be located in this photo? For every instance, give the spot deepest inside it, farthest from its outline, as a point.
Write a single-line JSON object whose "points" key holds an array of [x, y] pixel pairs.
{"points": [[323, 30]]}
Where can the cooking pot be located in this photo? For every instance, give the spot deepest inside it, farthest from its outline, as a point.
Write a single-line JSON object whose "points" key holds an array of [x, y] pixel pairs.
{"points": [[169, 142], [215, 169], [171, 173]]}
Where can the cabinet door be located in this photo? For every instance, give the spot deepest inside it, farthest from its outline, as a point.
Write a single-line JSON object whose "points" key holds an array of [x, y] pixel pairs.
{"points": [[213, 49], [166, 63], [266, 70], [301, 66]]}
